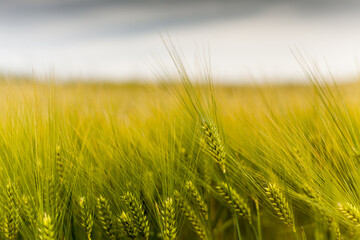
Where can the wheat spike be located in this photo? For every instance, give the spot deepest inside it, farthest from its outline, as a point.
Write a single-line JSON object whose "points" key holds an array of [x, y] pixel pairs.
{"points": [[11, 215], [87, 219], [106, 217], [234, 201], [338, 233], [51, 197], [280, 205], [191, 216], [319, 207], [28, 210], [46, 228], [168, 219], [59, 164], [350, 212], [137, 214], [334, 226], [128, 226], [193, 192], [213, 144]]}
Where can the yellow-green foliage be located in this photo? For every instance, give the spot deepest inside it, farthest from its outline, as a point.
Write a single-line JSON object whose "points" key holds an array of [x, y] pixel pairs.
{"points": [[129, 147]]}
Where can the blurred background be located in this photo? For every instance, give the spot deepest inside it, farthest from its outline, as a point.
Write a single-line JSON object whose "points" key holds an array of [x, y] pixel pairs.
{"points": [[246, 40]]}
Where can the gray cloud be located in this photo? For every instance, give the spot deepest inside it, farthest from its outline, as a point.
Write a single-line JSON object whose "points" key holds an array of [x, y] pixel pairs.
{"points": [[81, 29], [93, 18]]}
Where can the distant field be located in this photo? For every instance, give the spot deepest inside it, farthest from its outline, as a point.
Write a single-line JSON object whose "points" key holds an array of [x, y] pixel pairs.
{"points": [[178, 161]]}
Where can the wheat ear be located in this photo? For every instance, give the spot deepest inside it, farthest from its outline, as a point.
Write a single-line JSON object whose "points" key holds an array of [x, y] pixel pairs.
{"points": [[316, 198], [128, 226], [28, 210], [350, 212], [235, 201], [168, 219], [59, 164], [193, 192], [87, 218], [46, 228], [106, 217], [11, 217], [213, 144], [137, 214], [191, 216], [280, 205], [334, 226]]}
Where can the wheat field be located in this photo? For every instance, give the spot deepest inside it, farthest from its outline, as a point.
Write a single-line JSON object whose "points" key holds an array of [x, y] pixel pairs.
{"points": [[179, 161]]}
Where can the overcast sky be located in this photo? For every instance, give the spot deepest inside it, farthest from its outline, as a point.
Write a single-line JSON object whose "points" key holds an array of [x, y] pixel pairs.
{"points": [[122, 39]]}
